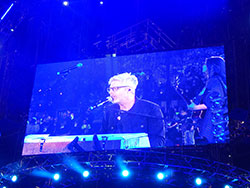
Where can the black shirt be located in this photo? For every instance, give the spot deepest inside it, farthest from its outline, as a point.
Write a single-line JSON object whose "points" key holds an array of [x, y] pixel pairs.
{"points": [[144, 116], [214, 97]]}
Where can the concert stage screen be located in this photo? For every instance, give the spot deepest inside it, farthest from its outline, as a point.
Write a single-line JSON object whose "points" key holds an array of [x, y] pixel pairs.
{"points": [[180, 99]]}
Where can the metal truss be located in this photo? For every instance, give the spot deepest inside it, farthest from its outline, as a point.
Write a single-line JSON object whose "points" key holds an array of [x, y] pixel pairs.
{"points": [[104, 164], [141, 37]]}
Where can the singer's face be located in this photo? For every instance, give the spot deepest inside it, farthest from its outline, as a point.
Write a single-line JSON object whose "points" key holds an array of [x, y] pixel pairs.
{"points": [[118, 92]]}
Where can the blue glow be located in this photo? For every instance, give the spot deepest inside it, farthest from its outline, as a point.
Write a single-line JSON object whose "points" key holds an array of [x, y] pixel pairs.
{"points": [[234, 180], [42, 173], [14, 178], [125, 173], [73, 164], [79, 65], [160, 176], [168, 173], [120, 162], [227, 186], [45, 174], [56, 176], [101, 2], [198, 181], [85, 173], [204, 68]]}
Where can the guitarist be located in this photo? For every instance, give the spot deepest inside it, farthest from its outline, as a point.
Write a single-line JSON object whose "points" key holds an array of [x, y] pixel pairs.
{"points": [[190, 118], [214, 101]]}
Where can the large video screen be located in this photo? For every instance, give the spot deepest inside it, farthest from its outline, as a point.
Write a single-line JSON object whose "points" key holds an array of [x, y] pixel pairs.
{"points": [[160, 99]]}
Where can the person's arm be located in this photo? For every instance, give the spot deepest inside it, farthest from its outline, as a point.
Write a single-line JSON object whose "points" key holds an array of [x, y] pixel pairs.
{"points": [[194, 106], [156, 132], [109, 120]]}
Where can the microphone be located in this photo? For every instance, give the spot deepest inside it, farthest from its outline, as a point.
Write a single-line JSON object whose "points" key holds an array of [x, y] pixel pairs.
{"points": [[109, 99], [78, 65]]}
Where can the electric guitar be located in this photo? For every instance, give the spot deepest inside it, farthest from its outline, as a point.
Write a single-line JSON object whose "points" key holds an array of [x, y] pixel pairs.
{"points": [[192, 114]]}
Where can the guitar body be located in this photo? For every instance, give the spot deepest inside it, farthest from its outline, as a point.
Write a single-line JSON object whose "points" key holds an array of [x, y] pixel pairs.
{"points": [[193, 114], [190, 120]]}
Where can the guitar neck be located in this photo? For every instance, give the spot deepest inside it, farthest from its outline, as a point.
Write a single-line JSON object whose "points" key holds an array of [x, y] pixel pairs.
{"points": [[184, 97]]}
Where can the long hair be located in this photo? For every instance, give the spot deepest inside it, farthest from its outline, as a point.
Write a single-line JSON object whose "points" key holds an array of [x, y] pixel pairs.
{"points": [[216, 67]]}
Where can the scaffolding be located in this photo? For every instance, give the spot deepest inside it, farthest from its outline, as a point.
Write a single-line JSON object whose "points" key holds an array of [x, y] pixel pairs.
{"points": [[145, 36], [104, 164]]}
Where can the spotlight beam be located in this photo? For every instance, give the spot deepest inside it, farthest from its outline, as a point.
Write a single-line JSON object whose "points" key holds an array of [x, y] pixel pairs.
{"points": [[6, 12]]}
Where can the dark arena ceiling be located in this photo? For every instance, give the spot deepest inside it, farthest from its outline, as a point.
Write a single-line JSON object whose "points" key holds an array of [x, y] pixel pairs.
{"points": [[56, 32]]}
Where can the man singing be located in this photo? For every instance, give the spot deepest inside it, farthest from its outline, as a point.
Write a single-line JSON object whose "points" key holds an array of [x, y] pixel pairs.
{"points": [[129, 114]]}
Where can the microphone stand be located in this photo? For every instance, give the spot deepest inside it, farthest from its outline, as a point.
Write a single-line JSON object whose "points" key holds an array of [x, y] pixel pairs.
{"points": [[109, 99], [65, 72]]}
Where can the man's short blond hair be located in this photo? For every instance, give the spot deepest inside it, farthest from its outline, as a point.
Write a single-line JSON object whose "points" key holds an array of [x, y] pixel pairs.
{"points": [[126, 79]]}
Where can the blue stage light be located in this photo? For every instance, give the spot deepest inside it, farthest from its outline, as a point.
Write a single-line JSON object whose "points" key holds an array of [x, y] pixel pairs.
{"points": [[227, 186], [234, 180], [85, 173], [14, 178], [56, 176], [79, 65], [125, 173], [160, 176], [198, 181], [66, 3], [101, 2]]}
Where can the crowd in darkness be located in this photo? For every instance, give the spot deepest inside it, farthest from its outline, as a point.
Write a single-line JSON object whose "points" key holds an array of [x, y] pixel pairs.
{"points": [[64, 123]]}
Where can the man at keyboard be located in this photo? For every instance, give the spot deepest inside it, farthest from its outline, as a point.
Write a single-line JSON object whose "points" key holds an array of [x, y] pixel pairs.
{"points": [[129, 114]]}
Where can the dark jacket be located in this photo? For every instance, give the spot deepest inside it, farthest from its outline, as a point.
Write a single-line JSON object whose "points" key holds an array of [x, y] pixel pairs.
{"points": [[143, 117]]}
